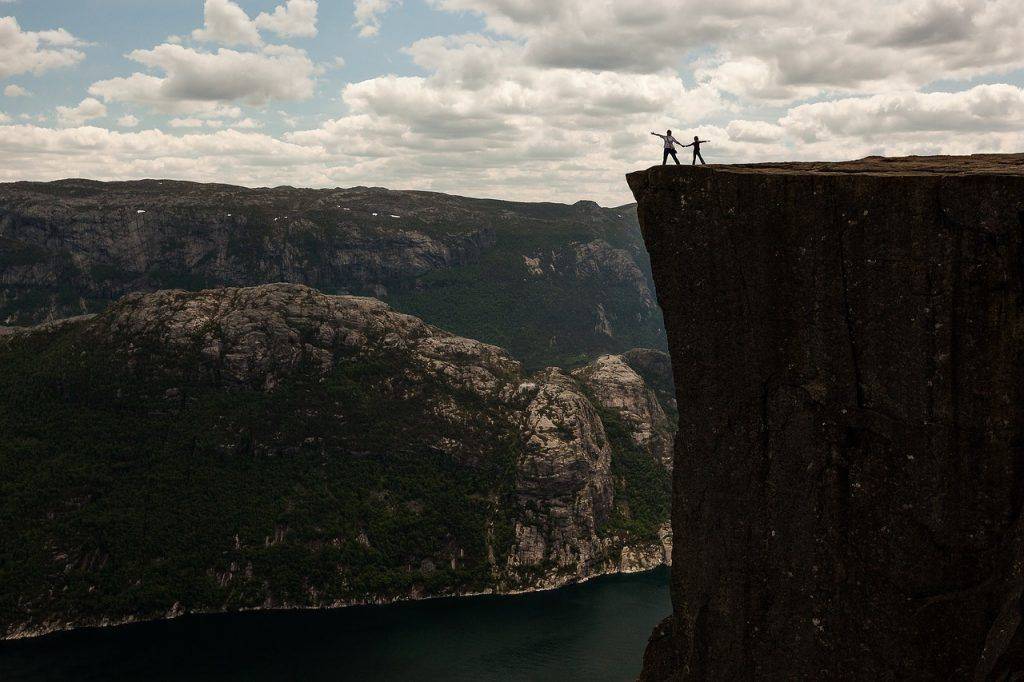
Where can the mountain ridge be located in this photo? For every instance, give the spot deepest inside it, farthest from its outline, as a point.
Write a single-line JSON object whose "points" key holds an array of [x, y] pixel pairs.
{"points": [[557, 284], [225, 450]]}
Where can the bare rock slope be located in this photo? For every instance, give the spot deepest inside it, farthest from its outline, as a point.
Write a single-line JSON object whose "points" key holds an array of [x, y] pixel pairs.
{"points": [[849, 472]]}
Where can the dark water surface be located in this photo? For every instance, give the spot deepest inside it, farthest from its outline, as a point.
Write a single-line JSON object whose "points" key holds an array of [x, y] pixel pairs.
{"points": [[593, 631]]}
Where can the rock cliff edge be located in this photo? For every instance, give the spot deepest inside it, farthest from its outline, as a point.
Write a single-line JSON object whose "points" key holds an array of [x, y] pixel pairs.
{"points": [[849, 471]]}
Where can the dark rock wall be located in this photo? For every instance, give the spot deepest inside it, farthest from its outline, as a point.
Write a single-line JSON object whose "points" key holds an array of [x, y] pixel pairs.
{"points": [[849, 473]]}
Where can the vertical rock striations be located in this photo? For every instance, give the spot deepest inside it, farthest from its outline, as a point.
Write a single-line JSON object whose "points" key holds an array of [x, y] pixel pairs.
{"points": [[849, 472]]}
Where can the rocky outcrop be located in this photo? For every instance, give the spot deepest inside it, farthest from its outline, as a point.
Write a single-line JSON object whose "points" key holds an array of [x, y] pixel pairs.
{"points": [[257, 336], [619, 388], [848, 471], [280, 447], [482, 268], [563, 480]]}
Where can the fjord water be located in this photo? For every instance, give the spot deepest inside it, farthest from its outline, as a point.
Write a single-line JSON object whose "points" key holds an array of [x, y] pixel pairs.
{"points": [[593, 631]]}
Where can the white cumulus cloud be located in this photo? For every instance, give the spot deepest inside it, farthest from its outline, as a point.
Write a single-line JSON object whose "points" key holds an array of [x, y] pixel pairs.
{"points": [[246, 124], [86, 110], [225, 22], [555, 100], [368, 15], [294, 19], [195, 80], [769, 49], [754, 131], [35, 51], [998, 107]]}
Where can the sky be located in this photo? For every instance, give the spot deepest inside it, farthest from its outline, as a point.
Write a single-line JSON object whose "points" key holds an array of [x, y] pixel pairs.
{"points": [[533, 100]]}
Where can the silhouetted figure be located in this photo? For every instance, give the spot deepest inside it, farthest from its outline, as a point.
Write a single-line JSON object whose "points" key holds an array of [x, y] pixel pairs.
{"points": [[697, 142], [670, 147]]}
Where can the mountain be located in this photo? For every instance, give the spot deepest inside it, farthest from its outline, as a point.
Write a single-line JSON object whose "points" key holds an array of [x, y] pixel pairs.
{"points": [[277, 447], [554, 284], [849, 471]]}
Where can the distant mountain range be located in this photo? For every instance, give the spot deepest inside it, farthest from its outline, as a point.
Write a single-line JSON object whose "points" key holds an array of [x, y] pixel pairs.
{"points": [[552, 283]]}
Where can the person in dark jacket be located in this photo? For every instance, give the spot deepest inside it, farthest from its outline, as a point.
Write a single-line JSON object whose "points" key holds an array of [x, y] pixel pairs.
{"points": [[697, 142]]}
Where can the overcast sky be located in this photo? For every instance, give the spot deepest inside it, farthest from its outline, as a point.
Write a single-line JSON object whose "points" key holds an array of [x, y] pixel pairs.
{"points": [[520, 99]]}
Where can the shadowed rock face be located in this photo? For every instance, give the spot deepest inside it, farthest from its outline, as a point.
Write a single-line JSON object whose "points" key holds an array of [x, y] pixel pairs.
{"points": [[849, 472]]}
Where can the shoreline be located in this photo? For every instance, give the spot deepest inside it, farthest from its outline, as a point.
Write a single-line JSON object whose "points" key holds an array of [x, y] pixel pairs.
{"points": [[175, 612]]}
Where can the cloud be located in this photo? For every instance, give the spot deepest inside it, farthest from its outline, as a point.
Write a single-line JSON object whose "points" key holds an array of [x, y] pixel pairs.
{"points": [[196, 81], [247, 124], [485, 113], [984, 108], [754, 131], [288, 119], [4, 118], [86, 110], [225, 22], [253, 159], [555, 100], [294, 19], [35, 51], [128, 121], [774, 50], [368, 15], [186, 123], [199, 123], [16, 91], [499, 148]]}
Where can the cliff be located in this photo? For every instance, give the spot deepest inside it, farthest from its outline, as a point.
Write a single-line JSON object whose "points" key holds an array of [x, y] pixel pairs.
{"points": [[555, 284], [849, 470], [276, 447]]}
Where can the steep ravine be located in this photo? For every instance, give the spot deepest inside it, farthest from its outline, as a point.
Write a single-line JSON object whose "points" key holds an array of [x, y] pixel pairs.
{"points": [[276, 447], [849, 469]]}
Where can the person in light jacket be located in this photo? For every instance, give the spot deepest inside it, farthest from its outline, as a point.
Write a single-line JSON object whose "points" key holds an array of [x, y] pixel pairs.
{"points": [[670, 147]]}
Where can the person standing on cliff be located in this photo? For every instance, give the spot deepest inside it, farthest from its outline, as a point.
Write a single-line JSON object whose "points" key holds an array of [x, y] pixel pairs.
{"points": [[697, 142], [670, 147]]}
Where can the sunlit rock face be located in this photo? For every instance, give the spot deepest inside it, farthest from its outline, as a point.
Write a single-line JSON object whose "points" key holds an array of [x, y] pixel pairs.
{"points": [[848, 478]]}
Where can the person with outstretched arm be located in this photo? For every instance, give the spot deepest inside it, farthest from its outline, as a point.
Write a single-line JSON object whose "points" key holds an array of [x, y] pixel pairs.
{"points": [[697, 142], [670, 147]]}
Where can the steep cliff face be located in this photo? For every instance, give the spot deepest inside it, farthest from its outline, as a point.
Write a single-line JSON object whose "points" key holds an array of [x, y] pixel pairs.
{"points": [[849, 469], [555, 284], [276, 447]]}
